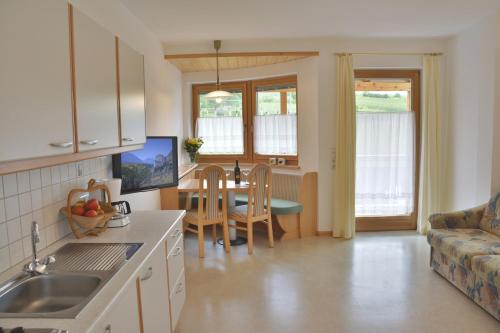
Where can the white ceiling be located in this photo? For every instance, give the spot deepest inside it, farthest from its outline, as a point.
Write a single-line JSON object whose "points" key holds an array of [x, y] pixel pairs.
{"points": [[197, 20]]}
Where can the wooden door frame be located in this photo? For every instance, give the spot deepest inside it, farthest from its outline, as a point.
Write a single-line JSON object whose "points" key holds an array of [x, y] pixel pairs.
{"points": [[387, 223]]}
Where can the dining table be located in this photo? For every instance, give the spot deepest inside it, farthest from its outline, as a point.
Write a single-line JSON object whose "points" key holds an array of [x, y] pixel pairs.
{"points": [[192, 186]]}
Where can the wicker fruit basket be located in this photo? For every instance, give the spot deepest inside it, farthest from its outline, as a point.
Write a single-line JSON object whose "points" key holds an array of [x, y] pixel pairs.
{"points": [[89, 225]]}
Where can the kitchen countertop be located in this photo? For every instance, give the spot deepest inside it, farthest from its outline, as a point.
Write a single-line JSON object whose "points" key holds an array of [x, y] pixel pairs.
{"points": [[148, 227]]}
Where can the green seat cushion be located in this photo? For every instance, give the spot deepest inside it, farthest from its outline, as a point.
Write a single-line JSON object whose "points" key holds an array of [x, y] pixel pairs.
{"points": [[285, 207], [278, 206]]}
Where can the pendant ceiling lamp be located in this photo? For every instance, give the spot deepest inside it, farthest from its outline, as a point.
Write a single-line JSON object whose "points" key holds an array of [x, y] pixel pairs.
{"points": [[218, 95]]}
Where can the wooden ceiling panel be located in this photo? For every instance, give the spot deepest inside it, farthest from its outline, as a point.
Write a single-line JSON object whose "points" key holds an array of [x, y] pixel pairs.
{"points": [[207, 62]]}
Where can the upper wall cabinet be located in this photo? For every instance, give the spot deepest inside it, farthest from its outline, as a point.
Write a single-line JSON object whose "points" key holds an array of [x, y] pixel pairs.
{"points": [[95, 84], [35, 81], [132, 101]]}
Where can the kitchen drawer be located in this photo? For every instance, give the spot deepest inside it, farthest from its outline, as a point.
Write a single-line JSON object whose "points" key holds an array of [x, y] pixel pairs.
{"points": [[175, 262], [177, 299], [173, 235]]}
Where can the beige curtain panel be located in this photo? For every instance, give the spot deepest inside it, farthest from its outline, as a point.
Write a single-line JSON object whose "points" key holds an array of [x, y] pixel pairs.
{"points": [[429, 192], [344, 188]]}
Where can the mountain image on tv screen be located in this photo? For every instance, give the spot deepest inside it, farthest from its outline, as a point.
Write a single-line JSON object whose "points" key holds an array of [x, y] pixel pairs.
{"points": [[148, 167]]}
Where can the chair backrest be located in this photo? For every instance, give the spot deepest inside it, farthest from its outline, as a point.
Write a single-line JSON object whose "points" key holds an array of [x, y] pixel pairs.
{"points": [[260, 188], [212, 181]]}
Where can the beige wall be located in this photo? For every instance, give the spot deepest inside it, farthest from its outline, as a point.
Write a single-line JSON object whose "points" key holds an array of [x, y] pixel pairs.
{"points": [[471, 93], [496, 117], [320, 72]]}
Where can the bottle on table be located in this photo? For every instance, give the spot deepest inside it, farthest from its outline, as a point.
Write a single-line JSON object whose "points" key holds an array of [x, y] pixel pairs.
{"points": [[237, 174]]}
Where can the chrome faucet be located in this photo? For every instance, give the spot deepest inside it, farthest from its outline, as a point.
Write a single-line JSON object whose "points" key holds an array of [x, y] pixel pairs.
{"points": [[36, 266]]}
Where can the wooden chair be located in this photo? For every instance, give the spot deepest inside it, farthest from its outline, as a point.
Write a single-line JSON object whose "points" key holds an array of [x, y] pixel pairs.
{"points": [[259, 195], [208, 212]]}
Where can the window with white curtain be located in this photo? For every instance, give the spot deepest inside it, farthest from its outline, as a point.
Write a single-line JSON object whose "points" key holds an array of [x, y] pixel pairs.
{"points": [[221, 125], [385, 163], [275, 120], [257, 122]]}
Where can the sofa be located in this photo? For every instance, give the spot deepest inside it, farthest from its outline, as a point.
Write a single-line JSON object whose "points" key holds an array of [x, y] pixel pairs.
{"points": [[465, 249]]}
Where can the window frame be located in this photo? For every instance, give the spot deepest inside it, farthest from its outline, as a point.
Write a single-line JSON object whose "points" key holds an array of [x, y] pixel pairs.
{"points": [[258, 158], [249, 109], [243, 86], [391, 223]]}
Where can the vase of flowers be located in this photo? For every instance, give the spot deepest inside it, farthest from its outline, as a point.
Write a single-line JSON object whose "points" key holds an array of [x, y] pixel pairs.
{"points": [[192, 145]]}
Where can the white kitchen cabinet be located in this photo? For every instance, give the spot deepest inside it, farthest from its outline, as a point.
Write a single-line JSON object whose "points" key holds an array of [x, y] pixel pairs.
{"points": [[95, 84], [155, 293], [35, 81], [132, 100], [123, 314]]}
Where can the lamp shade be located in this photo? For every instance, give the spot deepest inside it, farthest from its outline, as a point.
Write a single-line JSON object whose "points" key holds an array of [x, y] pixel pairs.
{"points": [[218, 95]]}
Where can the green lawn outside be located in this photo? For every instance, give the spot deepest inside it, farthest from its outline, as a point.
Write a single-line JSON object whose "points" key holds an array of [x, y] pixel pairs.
{"points": [[380, 104]]}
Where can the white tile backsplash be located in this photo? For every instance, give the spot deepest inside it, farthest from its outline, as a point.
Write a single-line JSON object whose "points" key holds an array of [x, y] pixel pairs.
{"points": [[10, 185], [4, 257], [4, 237], [63, 171], [16, 252], [25, 203], [38, 217], [35, 179], [55, 173], [36, 199], [2, 211], [14, 229], [26, 224], [11, 207], [46, 177], [37, 195], [23, 181], [47, 196]]}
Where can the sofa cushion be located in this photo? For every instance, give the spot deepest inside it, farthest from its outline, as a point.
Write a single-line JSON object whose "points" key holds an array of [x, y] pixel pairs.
{"points": [[490, 221], [463, 244], [487, 268]]}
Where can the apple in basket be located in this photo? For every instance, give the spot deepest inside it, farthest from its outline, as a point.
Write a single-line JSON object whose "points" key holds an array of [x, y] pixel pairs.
{"points": [[91, 213], [92, 204]]}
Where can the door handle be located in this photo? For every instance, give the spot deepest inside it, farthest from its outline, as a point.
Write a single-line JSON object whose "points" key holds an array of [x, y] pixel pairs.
{"points": [[89, 142], [148, 274], [61, 144], [177, 252], [128, 139]]}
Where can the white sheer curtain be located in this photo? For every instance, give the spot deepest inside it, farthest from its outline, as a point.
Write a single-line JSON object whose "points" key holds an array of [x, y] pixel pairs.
{"points": [[221, 135], [275, 134], [385, 163]]}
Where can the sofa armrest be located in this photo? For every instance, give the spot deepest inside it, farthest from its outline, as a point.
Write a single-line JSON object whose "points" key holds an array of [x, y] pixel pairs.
{"points": [[468, 218]]}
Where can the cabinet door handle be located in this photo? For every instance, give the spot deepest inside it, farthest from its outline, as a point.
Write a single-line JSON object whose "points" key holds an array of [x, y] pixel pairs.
{"points": [[128, 139], [180, 288], [89, 142], [61, 144], [178, 251], [148, 275], [176, 233]]}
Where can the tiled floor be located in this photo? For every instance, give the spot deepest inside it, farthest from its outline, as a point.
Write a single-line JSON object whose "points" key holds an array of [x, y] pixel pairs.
{"points": [[380, 282]]}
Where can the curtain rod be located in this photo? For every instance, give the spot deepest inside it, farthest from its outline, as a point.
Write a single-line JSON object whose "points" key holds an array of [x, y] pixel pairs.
{"points": [[389, 53]]}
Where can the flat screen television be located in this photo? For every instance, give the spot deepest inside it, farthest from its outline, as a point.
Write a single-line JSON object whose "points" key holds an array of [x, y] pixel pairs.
{"points": [[154, 166]]}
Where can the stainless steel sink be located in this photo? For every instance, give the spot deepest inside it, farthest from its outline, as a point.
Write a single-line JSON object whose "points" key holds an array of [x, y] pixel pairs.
{"points": [[80, 271], [49, 293]]}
